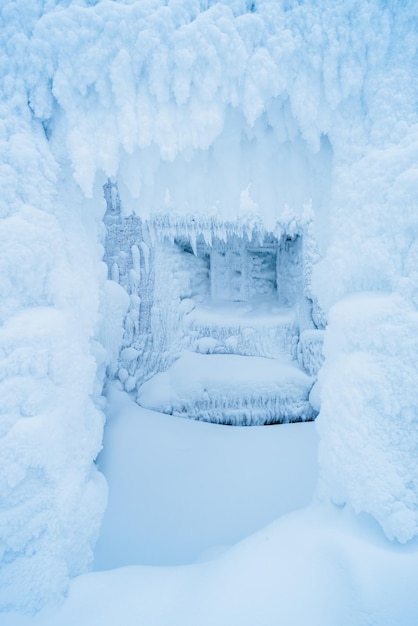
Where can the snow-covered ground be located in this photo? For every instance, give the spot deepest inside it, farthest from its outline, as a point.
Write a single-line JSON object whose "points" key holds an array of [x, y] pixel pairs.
{"points": [[183, 498], [230, 388], [180, 490]]}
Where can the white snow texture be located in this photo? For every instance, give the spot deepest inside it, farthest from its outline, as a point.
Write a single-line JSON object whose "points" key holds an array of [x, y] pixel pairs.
{"points": [[247, 111]]}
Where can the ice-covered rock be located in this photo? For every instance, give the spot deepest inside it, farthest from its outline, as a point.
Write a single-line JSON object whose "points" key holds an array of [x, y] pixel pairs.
{"points": [[230, 389], [310, 350], [369, 417]]}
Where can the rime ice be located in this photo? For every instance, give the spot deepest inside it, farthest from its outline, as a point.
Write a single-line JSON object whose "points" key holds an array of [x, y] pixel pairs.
{"points": [[219, 125]]}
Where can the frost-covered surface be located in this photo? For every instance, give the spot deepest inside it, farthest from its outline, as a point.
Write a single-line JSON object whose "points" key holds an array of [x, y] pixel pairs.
{"points": [[248, 109], [257, 328], [169, 88], [51, 365], [213, 287], [310, 350], [231, 290], [369, 410], [230, 389]]}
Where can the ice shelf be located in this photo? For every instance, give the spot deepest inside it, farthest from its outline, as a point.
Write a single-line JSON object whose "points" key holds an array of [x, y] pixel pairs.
{"points": [[251, 329]]}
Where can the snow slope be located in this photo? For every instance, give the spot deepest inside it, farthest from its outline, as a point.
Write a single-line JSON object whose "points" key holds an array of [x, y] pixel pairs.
{"points": [[317, 566]]}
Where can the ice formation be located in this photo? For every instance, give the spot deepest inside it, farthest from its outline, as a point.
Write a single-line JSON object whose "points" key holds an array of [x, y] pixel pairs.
{"points": [[231, 289], [53, 349], [216, 113], [231, 389]]}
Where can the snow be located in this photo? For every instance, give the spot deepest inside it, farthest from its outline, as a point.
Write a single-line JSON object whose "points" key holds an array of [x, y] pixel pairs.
{"points": [[256, 328], [180, 490], [216, 76], [318, 565], [368, 455], [208, 287], [230, 389], [310, 350], [292, 118], [51, 362]]}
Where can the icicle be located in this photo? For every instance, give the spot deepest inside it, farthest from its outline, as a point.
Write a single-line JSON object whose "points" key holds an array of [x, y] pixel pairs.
{"points": [[172, 232], [207, 236], [146, 253], [152, 233], [136, 260], [134, 279], [114, 272], [193, 242]]}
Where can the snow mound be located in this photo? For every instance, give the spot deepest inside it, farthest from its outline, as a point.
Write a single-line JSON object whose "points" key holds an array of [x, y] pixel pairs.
{"points": [[316, 567], [368, 420], [230, 389]]}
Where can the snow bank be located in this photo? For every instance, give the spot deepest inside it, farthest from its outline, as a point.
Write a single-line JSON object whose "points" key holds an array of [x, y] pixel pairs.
{"points": [[235, 108], [368, 417], [51, 366], [52, 496], [320, 565], [368, 420]]}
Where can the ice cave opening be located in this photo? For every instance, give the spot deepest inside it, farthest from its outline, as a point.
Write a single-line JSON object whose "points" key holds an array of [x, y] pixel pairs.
{"points": [[221, 327]]}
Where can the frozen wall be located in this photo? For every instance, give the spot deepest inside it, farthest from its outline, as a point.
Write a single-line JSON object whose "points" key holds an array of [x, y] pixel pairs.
{"points": [[53, 288], [367, 282], [183, 276], [229, 108]]}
